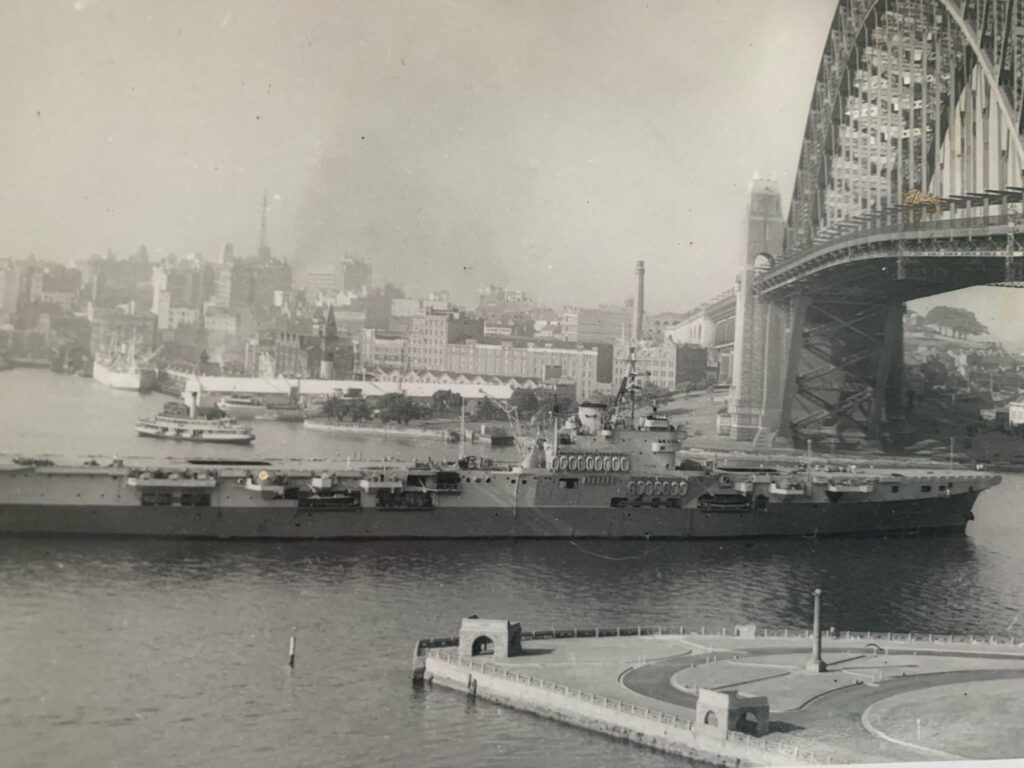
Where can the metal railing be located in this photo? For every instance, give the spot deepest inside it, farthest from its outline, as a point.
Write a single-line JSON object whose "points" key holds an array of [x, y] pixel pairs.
{"points": [[616, 705], [869, 231], [766, 632]]}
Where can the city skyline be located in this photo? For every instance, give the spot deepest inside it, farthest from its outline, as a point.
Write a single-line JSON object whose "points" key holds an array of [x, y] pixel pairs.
{"points": [[503, 142]]}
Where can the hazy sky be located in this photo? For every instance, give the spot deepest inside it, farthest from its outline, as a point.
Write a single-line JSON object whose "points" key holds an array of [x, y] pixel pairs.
{"points": [[545, 144]]}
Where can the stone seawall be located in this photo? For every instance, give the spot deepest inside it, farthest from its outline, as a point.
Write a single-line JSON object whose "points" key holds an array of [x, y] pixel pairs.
{"points": [[613, 718], [604, 679]]}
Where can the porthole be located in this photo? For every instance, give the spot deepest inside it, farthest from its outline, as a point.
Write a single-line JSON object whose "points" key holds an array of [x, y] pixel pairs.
{"points": [[675, 489], [650, 488], [616, 464], [607, 464], [590, 463], [657, 488], [632, 487]]}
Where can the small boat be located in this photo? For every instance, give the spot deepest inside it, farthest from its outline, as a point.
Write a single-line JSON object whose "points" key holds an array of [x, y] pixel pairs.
{"points": [[252, 407]]}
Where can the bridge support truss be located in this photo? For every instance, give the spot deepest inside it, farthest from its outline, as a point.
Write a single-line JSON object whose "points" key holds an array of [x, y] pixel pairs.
{"points": [[845, 360]]}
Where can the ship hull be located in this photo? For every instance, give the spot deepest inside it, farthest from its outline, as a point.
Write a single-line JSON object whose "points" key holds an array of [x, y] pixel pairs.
{"points": [[246, 412], [203, 438], [260, 521], [135, 380]]}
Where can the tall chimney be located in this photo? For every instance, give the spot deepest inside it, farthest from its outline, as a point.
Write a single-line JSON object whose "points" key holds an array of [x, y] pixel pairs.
{"points": [[638, 303]]}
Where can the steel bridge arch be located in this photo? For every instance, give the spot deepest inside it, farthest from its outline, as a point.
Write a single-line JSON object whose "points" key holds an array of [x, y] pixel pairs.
{"points": [[983, 36]]}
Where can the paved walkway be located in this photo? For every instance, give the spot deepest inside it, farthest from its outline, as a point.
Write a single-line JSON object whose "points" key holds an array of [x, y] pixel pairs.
{"points": [[894, 706]]}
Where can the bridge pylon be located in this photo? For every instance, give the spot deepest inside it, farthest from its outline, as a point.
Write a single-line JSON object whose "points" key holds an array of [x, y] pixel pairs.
{"points": [[762, 326]]}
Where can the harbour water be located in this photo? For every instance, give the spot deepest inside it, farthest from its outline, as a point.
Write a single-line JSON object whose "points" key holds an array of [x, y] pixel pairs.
{"points": [[140, 652]]}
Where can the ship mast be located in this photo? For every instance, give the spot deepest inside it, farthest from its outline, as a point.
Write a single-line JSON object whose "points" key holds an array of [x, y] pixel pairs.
{"points": [[632, 386], [462, 431], [554, 426]]}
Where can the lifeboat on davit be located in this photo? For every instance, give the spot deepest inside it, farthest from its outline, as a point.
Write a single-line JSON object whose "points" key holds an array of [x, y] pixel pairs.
{"points": [[590, 462]]}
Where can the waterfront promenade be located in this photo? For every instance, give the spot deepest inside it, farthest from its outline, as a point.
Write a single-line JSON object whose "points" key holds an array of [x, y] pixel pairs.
{"points": [[881, 698]]}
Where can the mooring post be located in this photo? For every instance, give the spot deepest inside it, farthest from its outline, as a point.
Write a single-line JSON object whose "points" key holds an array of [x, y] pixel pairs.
{"points": [[291, 652], [816, 664]]}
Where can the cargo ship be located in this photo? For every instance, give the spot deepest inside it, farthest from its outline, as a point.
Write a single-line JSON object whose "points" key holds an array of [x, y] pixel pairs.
{"points": [[117, 368]]}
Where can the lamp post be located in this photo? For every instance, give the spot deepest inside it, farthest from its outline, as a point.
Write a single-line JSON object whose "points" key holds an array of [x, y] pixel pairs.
{"points": [[816, 664]]}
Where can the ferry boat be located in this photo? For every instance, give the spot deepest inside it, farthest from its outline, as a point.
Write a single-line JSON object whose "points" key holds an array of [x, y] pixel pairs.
{"points": [[172, 424]]}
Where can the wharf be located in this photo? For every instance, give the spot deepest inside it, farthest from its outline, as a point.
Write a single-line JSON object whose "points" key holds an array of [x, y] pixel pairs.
{"points": [[883, 697], [381, 431]]}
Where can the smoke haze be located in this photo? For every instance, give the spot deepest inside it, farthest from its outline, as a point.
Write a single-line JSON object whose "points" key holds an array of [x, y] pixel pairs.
{"points": [[544, 145]]}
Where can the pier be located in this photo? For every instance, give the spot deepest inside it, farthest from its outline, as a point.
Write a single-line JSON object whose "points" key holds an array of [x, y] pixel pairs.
{"points": [[746, 695]]}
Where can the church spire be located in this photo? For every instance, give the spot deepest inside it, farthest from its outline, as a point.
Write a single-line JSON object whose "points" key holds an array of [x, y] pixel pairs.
{"points": [[330, 325]]}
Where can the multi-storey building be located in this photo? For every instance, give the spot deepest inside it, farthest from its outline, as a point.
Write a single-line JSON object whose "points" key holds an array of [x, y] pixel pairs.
{"points": [[503, 306], [383, 349], [55, 285], [454, 342], [432, 333], [321, 283], [13, 280], [601, 325], [589, 366], [251, 283], [111, 327], [666, 365], [111, 282], [353, 275], [180, 286], [187, 282], [275, 353]]}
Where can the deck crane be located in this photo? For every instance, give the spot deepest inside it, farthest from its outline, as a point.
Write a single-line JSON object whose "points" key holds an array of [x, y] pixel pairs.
{"points": [[512, 414]]}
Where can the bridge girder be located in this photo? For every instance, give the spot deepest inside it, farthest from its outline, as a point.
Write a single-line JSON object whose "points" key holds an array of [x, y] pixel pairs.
{"points": [[925, 94]]}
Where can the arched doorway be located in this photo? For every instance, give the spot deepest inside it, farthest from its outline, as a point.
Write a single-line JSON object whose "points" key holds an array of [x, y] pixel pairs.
{"points": [[747, 722], [483, 646], [711, 719]]}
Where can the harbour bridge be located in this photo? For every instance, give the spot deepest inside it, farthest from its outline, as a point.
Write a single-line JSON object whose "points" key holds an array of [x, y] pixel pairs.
{"points": [[908, 185]]}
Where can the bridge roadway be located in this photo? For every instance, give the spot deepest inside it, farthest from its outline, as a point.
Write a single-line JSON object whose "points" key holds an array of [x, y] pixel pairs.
{"points": [[817, 333], [876, 242]]}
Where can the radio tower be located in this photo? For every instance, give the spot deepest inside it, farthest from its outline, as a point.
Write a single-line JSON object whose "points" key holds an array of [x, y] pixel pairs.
{"points": [[264, 252]]}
